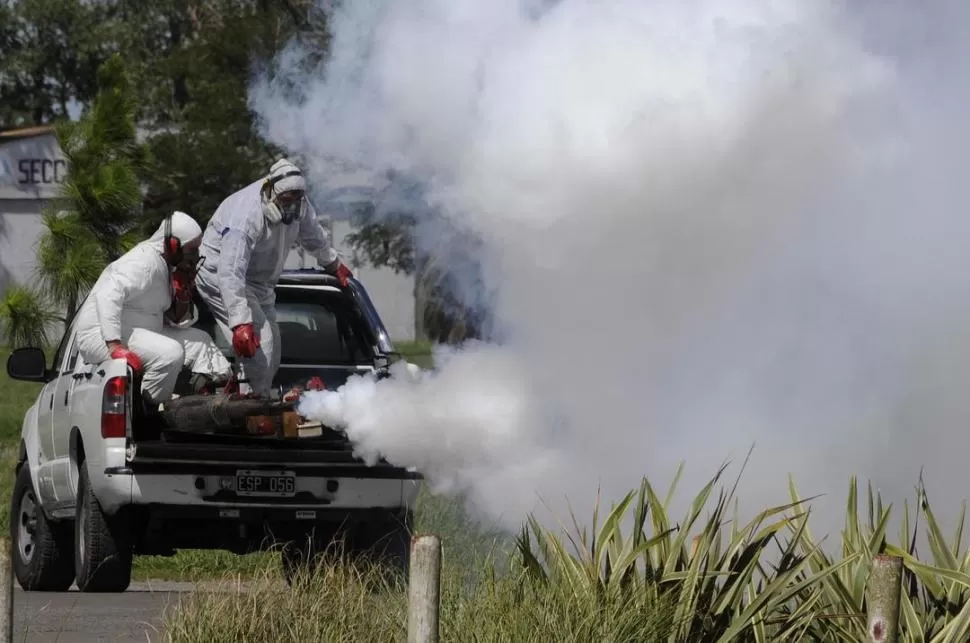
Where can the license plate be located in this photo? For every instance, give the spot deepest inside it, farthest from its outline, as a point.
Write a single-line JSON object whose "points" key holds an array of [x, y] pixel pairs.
{"points": [[267, 484]]}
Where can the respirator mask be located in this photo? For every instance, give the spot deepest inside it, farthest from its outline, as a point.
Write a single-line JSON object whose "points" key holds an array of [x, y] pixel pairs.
{"points": [[284, 194], [190, 261], [286, 207], [291, 205]]}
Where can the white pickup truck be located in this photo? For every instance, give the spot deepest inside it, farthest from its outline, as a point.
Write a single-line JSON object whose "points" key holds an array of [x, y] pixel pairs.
{"points": [[98, 483]]}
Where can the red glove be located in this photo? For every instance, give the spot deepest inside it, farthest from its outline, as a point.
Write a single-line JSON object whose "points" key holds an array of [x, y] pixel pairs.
{"points": [[182, 285], [316, 384], [133, 360], [343, 273], [244, 340]]}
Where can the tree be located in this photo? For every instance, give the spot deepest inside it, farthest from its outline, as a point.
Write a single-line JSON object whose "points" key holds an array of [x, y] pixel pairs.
{"points": [[400, 231], [197, 74], [25, 317], [106, 163], [189, 63], [95, 217], [50, 52]]}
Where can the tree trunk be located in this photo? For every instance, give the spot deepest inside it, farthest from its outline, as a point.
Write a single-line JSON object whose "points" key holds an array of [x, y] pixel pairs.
{"points": [[420, 300], [180, 89]]}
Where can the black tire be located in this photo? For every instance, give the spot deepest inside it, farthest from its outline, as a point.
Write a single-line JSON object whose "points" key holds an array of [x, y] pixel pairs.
{"points": [[299, 560], [41, 550], [102, 549], [387, 544]]}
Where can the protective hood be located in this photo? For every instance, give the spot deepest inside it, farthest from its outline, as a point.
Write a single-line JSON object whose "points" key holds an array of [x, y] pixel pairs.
{"points": [[283, 176], [183, 227]]}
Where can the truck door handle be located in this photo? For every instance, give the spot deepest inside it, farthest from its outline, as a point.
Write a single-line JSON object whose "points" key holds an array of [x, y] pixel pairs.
{"points": [[50, 403], [66, 393]]}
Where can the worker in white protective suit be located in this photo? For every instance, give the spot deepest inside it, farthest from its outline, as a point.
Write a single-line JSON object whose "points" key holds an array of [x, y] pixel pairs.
{"points": [[243, 252], [128, 314]]}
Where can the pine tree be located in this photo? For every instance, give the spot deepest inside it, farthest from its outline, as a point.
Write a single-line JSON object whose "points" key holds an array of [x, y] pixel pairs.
{"points": [[94, 219]]}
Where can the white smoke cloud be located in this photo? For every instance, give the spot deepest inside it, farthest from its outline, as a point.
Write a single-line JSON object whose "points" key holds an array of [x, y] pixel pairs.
{"points": [[708, 223]]}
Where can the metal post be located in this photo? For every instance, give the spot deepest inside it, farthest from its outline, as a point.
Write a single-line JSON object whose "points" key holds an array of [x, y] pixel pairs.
{"points": [[6, 591], [424, 597], [883, 594]]}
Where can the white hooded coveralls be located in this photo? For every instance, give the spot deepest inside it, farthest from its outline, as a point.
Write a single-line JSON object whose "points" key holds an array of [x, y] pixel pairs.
{"points": [[128, 303], [243, 255]]}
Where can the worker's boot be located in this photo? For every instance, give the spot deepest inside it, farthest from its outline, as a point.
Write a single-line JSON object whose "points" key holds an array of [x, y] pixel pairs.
{"points": [[202, 384], [151, 410]]}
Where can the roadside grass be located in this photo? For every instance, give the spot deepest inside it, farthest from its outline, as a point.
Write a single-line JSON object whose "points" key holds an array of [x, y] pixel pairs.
{"points": [[8, 460], [419, 353], [347, 602], [639, 574], [199, 565], [15, 398]]}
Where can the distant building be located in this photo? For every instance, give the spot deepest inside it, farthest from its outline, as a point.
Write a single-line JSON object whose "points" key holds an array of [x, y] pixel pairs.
{"points": [[32, 167]]}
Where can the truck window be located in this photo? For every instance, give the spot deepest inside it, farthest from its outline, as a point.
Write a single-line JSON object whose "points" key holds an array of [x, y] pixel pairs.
{"points": [[315, 333], [326, 331], [72, 357]]}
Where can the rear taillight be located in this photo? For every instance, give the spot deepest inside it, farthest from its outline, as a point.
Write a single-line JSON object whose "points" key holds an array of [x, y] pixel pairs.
{"points": [[113, 408]]}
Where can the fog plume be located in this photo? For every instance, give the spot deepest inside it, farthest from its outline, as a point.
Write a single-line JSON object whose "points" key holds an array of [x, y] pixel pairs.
{"points": [[703, 224]]}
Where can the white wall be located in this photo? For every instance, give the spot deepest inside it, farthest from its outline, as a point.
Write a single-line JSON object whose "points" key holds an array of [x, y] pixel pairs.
{"points": [[30, 170], [31, 167], [20, 229]]}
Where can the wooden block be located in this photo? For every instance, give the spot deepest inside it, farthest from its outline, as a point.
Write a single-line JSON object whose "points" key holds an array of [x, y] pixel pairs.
{"points": [[291, 425]]}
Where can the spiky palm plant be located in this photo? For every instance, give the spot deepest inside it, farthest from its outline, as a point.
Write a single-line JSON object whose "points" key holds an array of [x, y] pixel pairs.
{"points": [[716, 577], [935, 603]]}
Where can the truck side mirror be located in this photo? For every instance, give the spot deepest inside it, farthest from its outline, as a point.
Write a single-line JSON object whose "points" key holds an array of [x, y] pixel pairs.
{"points": [[27, 364]]}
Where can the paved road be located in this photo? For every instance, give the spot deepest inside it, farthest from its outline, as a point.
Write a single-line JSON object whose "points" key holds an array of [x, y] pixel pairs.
{"points": [[73, 617]]}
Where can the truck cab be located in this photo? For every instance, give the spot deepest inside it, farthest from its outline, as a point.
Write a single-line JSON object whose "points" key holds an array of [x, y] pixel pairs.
{"points": [[97, 484]]}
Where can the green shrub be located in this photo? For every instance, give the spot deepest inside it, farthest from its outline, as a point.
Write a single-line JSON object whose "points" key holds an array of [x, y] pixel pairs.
{"points": [[26, 317]]}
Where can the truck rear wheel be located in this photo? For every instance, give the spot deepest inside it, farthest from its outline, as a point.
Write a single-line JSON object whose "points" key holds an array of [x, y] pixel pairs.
{"points": [[102, 549], [387, 544], [300, 559], [42, 553]]}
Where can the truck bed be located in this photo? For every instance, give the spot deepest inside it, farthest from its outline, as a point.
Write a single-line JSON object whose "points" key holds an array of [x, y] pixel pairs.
{"points": [[225, 413], [219, 438]]}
